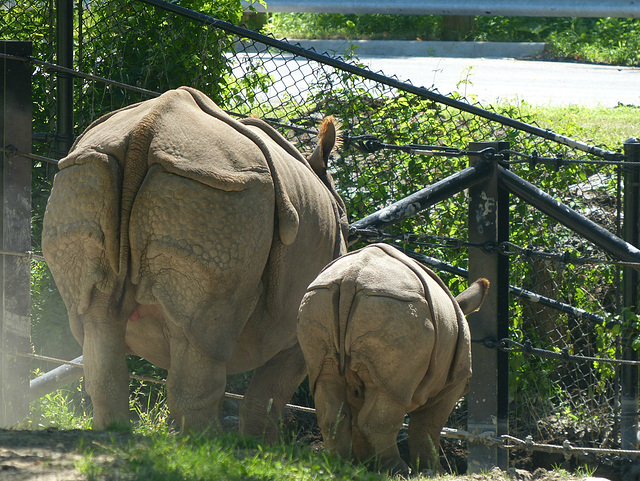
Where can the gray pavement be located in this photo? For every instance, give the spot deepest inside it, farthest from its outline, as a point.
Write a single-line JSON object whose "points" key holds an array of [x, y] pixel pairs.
{"points": [[490, 72]]}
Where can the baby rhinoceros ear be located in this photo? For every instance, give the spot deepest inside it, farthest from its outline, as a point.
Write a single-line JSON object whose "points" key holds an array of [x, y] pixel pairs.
{"points": [[472, 298], [327, 137]]}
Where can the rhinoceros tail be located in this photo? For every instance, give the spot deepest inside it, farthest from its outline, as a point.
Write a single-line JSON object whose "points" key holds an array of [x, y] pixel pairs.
{"points": [[134, 171], [471, 299], [327, 139]]}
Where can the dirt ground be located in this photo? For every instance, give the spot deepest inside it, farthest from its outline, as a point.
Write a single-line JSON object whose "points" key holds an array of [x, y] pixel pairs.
{"points": [[52, 455], [48, 455]]}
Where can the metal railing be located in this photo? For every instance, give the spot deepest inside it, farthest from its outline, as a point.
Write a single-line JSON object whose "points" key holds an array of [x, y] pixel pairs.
{"points": [[513, 8]]}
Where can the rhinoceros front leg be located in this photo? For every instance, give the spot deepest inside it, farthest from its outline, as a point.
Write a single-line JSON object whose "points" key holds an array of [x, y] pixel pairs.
{"points": [[271, 387], [105, 368], [195, 388]]}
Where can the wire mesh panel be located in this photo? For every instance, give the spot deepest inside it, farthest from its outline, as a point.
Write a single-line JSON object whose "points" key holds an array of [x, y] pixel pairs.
{"points": [[562, 397], [396, 140]]}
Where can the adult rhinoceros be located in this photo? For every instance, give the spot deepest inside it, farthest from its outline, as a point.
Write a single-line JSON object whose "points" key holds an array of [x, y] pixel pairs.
{"points": [[186, 237], [382, 336]]}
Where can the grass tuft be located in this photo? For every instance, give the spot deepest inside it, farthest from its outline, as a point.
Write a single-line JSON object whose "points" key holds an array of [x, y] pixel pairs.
{"points": [[169, 457]]}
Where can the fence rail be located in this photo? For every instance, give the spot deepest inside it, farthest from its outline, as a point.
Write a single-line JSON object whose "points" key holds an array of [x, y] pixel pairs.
{"points": [[512, 8]]}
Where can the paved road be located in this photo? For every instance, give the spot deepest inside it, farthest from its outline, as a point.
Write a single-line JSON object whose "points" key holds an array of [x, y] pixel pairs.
{"points": [[488, 80], [491, 71]]}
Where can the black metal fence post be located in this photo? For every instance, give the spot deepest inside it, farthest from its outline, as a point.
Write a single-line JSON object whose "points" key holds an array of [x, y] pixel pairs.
{"points": [[488, 392], [64, 105], [631, 293], [15, 232]]}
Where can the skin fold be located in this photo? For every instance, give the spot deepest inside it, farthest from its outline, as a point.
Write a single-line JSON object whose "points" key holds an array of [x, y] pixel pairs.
{"points": [[179, 234], [382, 336]]}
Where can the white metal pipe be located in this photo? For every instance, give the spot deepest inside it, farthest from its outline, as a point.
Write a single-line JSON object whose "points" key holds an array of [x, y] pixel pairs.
{"points": [[506, 8], [55, 379]]}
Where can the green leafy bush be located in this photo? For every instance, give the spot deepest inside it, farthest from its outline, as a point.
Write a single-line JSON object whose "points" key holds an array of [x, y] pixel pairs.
{"points": [[604, 40], [379, 26]]}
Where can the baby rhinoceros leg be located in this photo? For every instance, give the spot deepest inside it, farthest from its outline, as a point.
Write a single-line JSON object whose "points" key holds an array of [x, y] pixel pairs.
{"points": [[379, 422], [334, 411], [425, 425]]}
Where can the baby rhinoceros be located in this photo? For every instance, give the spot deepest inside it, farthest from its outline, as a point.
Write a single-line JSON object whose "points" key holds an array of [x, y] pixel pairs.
{"points": [[383, 336]]}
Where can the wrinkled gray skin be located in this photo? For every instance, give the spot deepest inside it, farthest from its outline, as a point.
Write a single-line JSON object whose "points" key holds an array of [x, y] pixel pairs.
{"points": [[382, 336], [188, 238]]}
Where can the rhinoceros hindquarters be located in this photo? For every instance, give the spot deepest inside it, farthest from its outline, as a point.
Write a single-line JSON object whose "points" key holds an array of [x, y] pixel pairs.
{"points": [[383, 336], [199, 253]]}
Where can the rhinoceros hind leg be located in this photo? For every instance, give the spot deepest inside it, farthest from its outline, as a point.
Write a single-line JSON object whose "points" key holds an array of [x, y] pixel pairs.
{"points": [[379, 422], [424, 441], [195, 388], [271, 387], [335, 415], [425, 426], [105, 372]]}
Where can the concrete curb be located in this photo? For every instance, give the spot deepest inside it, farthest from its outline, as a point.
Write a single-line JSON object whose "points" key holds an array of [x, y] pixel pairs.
{"points": [[417, 48]]}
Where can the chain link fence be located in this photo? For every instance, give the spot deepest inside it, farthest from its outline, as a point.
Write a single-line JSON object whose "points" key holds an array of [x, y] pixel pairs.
{"points": [[397, 138]]}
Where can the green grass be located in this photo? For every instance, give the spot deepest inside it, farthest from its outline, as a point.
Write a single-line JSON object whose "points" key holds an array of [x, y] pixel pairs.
{"points": [[153, 450], [603, 40], [602, 126], [172, 457], [59, 409]]}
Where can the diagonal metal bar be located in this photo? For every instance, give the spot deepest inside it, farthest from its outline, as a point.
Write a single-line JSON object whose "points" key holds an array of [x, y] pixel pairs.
{"points": [[422, 199], [567, 216]]}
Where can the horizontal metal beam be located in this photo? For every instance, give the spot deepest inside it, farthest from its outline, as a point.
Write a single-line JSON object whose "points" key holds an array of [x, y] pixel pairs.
{"points": [[568, 217], [422, 199], [506, 8]]}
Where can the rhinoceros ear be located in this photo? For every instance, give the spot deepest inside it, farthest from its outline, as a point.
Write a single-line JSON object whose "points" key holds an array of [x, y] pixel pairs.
{"points": [[471, 298], [327, 135]]}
